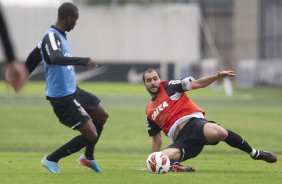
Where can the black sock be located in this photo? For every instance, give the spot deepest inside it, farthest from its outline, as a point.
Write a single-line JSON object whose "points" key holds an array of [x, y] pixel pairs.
{"points": [[89, 151], [69, 148], [236, 141]]}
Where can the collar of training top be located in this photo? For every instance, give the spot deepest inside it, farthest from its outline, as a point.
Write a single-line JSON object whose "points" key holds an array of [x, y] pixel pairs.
{"points": [[63, 33]]}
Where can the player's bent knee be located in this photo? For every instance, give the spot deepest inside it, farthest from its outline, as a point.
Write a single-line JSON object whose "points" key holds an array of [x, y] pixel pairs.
{"points": [[105, 117], [220, 134], [89, 131], [91, 137], [215, 133], [101, 118]]}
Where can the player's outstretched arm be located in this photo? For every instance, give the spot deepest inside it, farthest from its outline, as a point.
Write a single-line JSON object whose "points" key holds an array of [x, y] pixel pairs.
{"points": [[205, 81]]}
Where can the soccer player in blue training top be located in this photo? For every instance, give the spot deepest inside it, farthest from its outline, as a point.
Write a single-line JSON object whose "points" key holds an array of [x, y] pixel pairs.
{"points": [[15, 71], [73, 106], [173, 112]]}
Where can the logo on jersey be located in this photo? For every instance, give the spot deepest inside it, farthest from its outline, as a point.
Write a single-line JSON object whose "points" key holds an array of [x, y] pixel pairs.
{"points": [[159, 109], [173, 82], [67, 54]]}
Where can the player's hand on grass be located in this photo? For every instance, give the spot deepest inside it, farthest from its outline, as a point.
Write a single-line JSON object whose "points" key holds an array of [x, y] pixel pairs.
{"points": [[222, 74], [91, 64]]}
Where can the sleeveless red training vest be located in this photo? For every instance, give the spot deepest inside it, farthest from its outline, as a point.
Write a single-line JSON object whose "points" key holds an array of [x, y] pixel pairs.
{"points": [[164, 111]]}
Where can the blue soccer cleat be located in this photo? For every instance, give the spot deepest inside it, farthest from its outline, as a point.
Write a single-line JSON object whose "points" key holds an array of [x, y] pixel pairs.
{"points": [[89, 163], [53, 167]]}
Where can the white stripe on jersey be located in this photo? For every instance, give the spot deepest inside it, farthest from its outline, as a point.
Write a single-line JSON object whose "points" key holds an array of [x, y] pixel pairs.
{"points": [[176, 96], [186, 83], [52, 40], [39, 45]]}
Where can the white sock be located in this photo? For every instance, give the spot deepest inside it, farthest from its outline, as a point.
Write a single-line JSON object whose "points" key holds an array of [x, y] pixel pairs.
{"points": [[253, 153]]}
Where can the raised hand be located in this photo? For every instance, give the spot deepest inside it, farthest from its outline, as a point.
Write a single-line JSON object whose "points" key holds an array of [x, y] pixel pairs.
{"points": [[222, 74]]}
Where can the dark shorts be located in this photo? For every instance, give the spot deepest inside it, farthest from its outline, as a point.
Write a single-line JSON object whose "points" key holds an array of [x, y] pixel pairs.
{"points": [[73, 110], [191, 139]]}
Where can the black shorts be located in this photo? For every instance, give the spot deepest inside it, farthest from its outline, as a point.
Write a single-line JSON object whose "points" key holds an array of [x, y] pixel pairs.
{"points": [[191, 139], [73, 110]]}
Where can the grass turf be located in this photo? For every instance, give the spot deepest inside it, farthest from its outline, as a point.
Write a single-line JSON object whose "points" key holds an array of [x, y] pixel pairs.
{"points": [[30, 130]]}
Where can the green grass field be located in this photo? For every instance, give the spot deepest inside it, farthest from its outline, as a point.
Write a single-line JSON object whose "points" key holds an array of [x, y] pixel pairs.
{"points": [[29, 130]]}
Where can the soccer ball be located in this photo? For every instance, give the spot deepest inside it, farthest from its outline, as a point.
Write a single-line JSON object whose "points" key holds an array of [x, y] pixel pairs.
{"points": [[158, 163]]}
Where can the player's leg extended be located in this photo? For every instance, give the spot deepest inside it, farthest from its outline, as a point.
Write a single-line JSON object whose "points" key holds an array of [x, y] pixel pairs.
{"points": [[236, 141], [88, 136], [215, 133], [99, 117], [91, 103], [73, 115]]}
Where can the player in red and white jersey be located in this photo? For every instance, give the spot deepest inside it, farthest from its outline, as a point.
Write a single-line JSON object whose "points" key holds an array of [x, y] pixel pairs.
{"points": [[171, 110]]}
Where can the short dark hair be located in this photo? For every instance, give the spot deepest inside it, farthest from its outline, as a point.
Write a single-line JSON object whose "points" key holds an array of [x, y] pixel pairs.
{"points": [[150, 70], [67, 9]]}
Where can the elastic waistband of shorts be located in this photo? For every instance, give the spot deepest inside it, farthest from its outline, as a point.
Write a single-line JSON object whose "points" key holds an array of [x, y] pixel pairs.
{"points": [[62, 98]]}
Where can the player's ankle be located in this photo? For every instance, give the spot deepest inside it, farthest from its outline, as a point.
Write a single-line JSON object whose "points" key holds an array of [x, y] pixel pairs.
{"points": [[253, 153]]}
